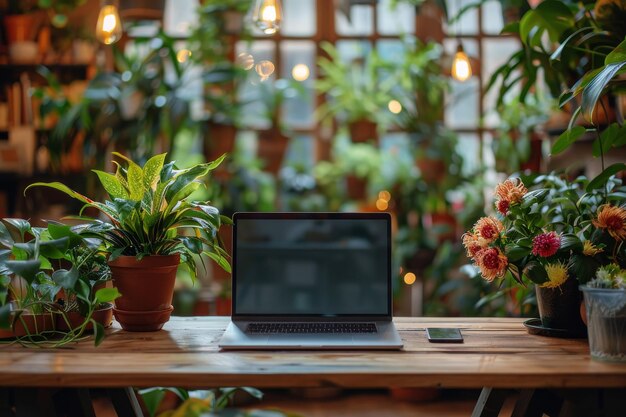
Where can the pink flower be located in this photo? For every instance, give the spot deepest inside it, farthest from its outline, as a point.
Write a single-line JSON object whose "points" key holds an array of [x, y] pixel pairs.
{"points": [[546, 244]]}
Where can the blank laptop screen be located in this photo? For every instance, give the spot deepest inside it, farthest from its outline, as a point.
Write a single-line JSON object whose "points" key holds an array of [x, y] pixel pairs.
{"points": [[312, 267]]}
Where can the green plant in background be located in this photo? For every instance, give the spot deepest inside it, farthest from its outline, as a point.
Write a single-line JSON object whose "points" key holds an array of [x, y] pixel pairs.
{"points": [[59, 10], [247, 188], [271, 95], [512, 137], [150, 212], [36, 264], [215, 402], [358, 90], [141, 107]]}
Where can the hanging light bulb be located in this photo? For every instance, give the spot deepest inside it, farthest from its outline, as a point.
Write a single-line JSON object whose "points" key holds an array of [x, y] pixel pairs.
{"points": [[109, 27], [265, 68], [461, 67], [267, 15]]}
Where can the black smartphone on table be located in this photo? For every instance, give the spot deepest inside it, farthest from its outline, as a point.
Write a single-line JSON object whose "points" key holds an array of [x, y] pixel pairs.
{"points": [[444, 335]]}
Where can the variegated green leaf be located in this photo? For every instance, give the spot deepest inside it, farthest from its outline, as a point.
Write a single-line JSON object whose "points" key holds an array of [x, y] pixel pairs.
{"points": [[152, 171], [111, 184], [135, 182]]}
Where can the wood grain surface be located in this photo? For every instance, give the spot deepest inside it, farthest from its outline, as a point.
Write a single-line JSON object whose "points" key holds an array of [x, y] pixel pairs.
{"points": [[497, 352]]}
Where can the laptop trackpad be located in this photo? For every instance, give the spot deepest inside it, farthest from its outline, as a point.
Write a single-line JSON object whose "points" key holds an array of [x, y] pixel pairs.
{"points": [[312, 340]]}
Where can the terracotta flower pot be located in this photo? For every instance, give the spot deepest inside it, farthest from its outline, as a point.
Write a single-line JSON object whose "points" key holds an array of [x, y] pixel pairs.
{"points": [[272, 149], [356, 187], [147, 288], [363, 130], [104, 316], [433, 170], [20, 27], [28, 324]]}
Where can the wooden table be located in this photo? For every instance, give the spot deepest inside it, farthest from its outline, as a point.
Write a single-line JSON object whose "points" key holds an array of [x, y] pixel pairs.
{"points": [[497, 353]]}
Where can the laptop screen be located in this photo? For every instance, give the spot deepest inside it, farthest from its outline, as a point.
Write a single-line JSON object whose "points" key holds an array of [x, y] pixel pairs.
{"points": [[312, 264]]}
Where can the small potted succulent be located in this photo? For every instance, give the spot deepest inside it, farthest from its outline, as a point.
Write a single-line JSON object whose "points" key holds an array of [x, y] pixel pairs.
{"points": [[153, 228]]}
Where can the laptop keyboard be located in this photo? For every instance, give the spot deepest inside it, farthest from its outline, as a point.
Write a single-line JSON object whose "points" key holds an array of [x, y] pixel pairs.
{"points": [[276, 328]]}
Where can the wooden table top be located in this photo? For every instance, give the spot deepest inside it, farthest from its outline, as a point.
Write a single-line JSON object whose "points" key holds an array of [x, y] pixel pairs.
{"points": [[498, 352]]}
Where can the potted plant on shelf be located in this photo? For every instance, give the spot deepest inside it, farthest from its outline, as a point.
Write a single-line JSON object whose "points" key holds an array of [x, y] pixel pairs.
{"points": [[605, 301], [50, 284], [357, 93], [273, 142], [557, 234], [153, 228]]}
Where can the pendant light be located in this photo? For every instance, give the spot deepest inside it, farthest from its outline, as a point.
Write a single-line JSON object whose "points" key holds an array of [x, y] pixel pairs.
{"points": [[109, 26], [268, 15], [461, 66]]}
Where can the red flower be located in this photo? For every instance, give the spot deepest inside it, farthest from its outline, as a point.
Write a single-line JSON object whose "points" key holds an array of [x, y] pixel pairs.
{"points": [[546, 244], [492, 263], [488, 228], [503, 206]]}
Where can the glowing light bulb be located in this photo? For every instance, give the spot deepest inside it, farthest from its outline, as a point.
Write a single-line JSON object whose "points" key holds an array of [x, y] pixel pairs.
{"points": [[409, 278], [394, 106], [245, 60], [300, 72], [183, 55], [268, 15], [384, 195], [109, 26], [265, 68], [382, 205], [461, 67]]}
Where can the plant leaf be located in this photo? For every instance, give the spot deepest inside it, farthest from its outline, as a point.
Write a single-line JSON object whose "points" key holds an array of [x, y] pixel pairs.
{"points": [[64, 278], [107, 295], [593, 91], [603, 177], [566, 139], [152, 171], [111, 184]]}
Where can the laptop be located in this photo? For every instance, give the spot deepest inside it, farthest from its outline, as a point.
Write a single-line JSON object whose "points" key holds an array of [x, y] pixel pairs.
{"points": [[311, 281]]}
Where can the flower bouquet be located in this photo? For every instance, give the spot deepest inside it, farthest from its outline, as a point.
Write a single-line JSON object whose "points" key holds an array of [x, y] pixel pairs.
{"points": [[556, 235]]}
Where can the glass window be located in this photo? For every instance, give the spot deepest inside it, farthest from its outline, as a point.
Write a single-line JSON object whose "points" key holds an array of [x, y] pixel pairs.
{"points": [[359, 22], [253, 92], [463, 100], [496, 52], [299, 18], [298, 66], [397, 21], [179, 16], [492, 17], [467, 24]]}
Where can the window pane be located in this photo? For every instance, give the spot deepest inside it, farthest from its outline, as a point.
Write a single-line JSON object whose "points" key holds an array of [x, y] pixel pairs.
{"points": [[298, 18], [467, 24], [298, 60], [495, 53], [469, 147], [179, 16], [351, 50], [492, 17], [391, 50], [252, 91], [397, 21], [360, 23]]}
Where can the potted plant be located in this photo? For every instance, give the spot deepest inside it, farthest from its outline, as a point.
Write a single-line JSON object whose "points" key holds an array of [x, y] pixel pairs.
{"points": [[153, 228], [605, 301], [273, 142], [558, 233], [357, 93], [22, 21], [50, 277]]}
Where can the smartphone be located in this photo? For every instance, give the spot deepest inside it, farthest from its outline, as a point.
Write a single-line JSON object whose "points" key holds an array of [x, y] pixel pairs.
{"points": [[444, 335]]}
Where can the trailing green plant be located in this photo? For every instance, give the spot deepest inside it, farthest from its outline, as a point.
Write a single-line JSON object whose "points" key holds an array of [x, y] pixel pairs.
{"points": [[150, 212], [36, 264]]}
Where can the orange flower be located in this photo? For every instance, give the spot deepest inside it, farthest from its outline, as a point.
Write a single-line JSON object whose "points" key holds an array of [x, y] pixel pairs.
{"points": [[613, 219], [492, 263], [509, 192], [488, 228], [473, 244]]}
